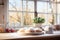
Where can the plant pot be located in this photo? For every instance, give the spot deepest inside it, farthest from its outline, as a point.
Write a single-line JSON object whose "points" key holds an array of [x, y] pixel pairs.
{"points": [[38, 25]]}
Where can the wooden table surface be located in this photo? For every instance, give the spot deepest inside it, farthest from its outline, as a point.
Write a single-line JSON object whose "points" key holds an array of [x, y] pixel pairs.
{"points": [[18, 36]]}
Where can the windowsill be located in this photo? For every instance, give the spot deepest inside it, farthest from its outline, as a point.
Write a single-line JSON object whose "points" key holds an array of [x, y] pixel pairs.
{"points": [[18, 36]]}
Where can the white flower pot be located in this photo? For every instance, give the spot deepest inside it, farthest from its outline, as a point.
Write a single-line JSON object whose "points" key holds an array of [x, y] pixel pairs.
{"points": [[38, 25]]}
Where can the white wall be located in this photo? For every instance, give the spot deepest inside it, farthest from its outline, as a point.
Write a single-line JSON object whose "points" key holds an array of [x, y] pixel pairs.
{"points": [[3, 12]]}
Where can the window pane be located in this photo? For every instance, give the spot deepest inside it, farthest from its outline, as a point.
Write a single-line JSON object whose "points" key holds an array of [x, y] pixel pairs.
{"points": [[28, 18], [58, 19], [53, 8], [24, 5], [43, 7], [14, 17], [31, 6], [58, 8], [51, 18], [48, 18], [28, 6], [15, 5]]}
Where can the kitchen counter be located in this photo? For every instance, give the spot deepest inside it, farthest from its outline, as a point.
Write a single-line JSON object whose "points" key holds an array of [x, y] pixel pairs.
{"points": [[9, 36]]}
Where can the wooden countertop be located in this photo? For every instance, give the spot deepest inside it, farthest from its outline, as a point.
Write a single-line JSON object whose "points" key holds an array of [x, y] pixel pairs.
{"points": [[18, 36]]}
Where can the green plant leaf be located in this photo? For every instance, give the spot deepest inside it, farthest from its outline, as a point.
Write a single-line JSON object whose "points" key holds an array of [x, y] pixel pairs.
{"points": [[39, 20]]}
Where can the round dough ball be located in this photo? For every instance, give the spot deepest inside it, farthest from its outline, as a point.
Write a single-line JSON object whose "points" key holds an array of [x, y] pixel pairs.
{"points": [[22, 30], [38, 30], [29, 30]]}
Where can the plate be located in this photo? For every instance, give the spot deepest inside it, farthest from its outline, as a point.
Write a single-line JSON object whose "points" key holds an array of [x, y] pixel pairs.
{"points": [[34, 33]]}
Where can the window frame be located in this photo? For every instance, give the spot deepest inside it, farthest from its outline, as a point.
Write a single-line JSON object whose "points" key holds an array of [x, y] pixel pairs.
{"points": [[35, 10]]}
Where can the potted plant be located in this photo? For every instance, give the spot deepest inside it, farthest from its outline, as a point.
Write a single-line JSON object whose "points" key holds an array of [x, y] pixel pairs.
{"points": [[38, 21]]}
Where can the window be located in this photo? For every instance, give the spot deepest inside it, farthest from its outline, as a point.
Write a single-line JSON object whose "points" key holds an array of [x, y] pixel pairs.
{"points": [[58, 14], [43, 7], [21, 12], [45, 10], [15, 12]]}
